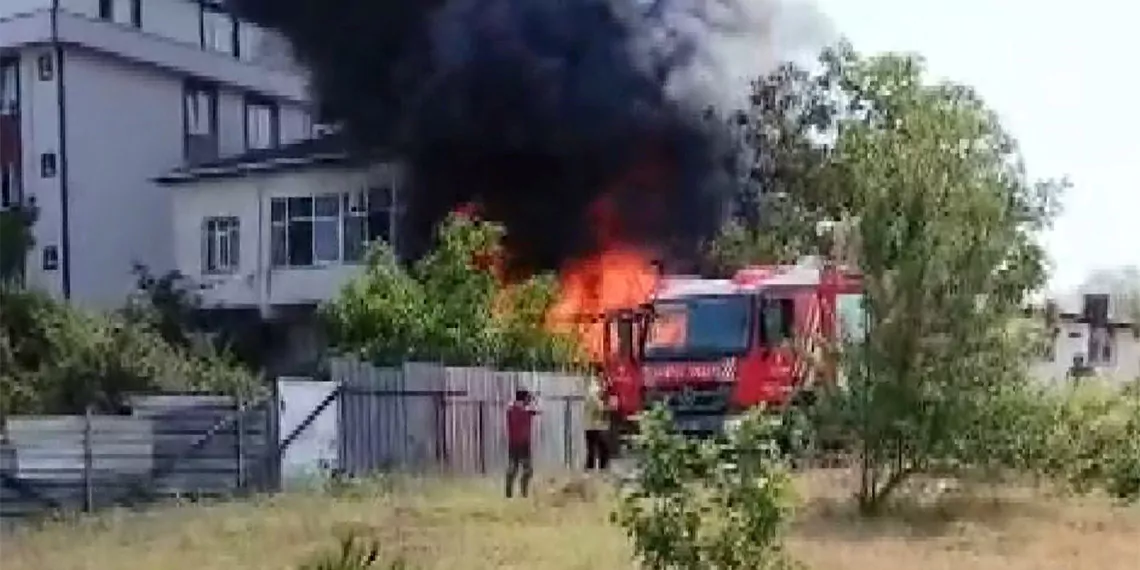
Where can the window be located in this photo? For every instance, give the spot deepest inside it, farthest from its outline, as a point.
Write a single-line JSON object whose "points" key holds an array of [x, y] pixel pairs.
{"points": [[106, 9], [9, 86], [1100, 345], [262, 125], [778, 317], [45, 64], [221, 243], [706, 326], [9, 184], [329, 228], [47, 165], [200, 117], [50, 261], [136, 13], [219, 30]]}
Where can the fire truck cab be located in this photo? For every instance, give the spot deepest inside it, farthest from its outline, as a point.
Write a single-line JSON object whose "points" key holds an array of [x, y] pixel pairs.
{"points": [[708, 349]]}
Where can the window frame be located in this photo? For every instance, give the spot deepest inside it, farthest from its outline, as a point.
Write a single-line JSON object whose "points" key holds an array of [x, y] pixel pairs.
{"points": [[252, 102], [10, 86], [1100, 349], [193, 89], [136, 13], [353, 207], [221, 245], [210, 35]]}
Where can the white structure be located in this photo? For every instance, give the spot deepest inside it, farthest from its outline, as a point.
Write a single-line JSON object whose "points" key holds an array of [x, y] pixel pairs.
{"points": [[271, 234], [1091, 329], [99, 97]]}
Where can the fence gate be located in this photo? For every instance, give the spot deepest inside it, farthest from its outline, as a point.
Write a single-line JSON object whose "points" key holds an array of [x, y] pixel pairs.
{"points": [[308, 428]]}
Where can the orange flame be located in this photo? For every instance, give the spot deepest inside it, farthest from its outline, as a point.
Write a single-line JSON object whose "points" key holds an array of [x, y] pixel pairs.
{"points": [[618, 276], [613, 279]]}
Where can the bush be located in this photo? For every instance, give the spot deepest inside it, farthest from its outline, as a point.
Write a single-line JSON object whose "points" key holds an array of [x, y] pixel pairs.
{"points": [[448, 307], [59, 359], [1088, 437], [718, 504]]}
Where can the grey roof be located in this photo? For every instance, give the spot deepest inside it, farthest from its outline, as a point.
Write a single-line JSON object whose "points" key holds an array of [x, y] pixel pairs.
{"points": [[324, 150]]}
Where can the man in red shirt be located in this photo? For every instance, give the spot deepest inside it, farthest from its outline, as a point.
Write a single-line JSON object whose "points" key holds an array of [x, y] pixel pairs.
{"points": [[520, 415]]}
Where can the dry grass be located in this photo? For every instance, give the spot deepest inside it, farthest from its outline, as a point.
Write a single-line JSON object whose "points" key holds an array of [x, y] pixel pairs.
{"points": [[467, 525]]}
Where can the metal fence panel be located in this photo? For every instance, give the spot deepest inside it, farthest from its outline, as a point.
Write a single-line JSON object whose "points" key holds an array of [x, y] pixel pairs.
{"points": [[173, 446], [426, 417]]}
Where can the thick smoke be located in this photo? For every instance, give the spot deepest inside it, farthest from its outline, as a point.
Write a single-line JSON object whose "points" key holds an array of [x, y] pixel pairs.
{"points": [[536, 108]]}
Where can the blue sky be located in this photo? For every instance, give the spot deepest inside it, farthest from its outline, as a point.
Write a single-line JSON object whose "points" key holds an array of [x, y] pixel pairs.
{"points": [[1063, 76]]}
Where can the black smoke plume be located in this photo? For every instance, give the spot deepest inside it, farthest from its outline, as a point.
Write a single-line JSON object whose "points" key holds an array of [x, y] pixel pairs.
{"points": [[535, 108]]}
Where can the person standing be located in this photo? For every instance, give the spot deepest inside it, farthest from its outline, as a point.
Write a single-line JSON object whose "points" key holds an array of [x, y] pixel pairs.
{"points": [[520, 417], [597, 429]]}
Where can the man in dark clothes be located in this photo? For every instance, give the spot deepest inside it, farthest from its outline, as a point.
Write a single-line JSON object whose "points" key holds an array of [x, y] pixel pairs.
{"points": [[520, 416]]}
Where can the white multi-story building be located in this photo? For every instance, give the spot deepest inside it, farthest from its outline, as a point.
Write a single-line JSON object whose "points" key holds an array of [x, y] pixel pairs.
{"points": [[98, 98]]}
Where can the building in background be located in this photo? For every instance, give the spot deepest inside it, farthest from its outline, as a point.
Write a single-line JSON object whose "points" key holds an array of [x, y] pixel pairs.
{"points": [[268, 235], [1093, 331], [100, 97]]}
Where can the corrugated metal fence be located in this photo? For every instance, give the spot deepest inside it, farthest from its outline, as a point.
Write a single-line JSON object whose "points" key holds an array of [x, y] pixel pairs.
{"points": [[430, 417], [172, 446], [421, 417]]}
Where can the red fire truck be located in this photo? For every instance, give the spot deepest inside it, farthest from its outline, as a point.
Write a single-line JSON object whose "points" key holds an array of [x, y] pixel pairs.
{"points": [[710, 348]]}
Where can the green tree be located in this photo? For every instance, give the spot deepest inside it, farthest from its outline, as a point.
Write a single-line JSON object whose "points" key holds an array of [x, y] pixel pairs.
{"points": [[15, 240], [948, 224], [448, 307], [788, 184]]}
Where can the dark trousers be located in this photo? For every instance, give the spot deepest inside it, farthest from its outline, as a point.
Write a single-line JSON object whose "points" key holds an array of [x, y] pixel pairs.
{"points": [[519, 465], [597, 449]]}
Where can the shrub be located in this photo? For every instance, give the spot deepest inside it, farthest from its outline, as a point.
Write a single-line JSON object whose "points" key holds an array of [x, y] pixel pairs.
{"points": [[717, 504], [56, 358], [448, 307]]}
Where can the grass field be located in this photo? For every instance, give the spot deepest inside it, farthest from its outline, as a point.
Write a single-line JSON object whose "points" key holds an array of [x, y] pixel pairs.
{"points": [[462, 526]]}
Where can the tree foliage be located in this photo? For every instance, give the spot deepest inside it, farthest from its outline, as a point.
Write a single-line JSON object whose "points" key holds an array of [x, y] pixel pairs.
{"points": [[717, 504], [947, 225], [449, 307], [788, 184], [944, 224], [15, 240], [58, 359], [169, 304]]}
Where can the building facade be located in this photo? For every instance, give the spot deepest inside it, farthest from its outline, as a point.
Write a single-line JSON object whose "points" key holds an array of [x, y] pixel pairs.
{"points": [[267, 236], [100, 97], [1094, 332]]}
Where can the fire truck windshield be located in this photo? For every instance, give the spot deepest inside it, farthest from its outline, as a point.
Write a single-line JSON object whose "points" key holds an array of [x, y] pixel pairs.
{"points": [[712, 326]]}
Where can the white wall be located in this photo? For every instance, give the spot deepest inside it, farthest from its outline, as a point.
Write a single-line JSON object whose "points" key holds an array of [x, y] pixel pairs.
{"points": [[40, 133], [124, 125], [1073, 340], [12, 8], [256, 283]]}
